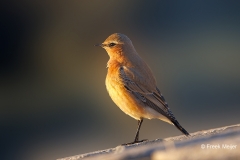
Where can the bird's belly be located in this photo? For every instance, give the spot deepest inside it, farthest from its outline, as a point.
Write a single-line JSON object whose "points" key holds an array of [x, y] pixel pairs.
{"points": [[125, 101], [130, 104]]}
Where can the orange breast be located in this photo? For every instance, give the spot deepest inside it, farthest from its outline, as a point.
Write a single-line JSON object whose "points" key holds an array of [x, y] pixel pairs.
{"points": [[121, 97]]}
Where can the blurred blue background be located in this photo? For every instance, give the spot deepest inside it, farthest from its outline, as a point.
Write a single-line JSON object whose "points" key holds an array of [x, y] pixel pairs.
{"points": [[52, 79]]}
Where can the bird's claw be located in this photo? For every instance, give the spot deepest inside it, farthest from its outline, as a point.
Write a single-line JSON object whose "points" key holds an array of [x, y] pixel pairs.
{"points": [[130, 143]]}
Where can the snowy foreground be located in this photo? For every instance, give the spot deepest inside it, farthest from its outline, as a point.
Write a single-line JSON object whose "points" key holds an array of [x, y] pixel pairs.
{"points": [[219, 143]]}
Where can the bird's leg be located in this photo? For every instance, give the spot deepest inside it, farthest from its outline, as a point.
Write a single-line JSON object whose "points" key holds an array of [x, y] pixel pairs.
{"points": [[136, 140], [138, 129]]}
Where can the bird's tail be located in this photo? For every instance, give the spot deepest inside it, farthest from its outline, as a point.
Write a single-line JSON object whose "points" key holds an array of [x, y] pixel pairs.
{"points": [[175, 122]]}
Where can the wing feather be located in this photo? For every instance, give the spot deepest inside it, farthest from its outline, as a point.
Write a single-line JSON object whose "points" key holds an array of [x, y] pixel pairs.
{"points": [[152, 99]]}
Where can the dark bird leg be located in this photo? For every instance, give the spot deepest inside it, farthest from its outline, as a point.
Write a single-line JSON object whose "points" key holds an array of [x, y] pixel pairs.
{"points": [[136, 140], [138, 129]]}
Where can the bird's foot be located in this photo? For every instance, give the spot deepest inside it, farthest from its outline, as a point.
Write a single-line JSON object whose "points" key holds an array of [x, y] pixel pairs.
{"points": [[127, 144]]}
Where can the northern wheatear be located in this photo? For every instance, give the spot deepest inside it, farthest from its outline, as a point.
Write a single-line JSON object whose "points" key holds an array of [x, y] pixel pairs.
{"points": [[132, 85]]}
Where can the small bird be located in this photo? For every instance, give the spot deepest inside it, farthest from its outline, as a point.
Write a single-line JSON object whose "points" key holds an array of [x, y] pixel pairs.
{"points": [[132, 85]]}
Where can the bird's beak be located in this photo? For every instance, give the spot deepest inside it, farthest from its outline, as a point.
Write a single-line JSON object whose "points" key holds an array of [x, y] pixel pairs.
{"points": [[99, 45]]}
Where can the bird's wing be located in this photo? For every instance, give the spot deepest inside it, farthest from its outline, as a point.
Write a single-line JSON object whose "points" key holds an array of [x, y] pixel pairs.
{"points": [[151, 98]]}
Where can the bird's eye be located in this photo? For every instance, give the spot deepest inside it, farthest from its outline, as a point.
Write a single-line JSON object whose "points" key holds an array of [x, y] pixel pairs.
{"points": [[112, 44]]}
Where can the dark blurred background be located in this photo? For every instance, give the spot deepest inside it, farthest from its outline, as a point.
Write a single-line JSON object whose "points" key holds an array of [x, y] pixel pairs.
{"points": [[53, 101]]}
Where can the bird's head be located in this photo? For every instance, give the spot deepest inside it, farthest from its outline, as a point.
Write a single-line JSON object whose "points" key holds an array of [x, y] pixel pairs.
{"points": [[118, 45]]}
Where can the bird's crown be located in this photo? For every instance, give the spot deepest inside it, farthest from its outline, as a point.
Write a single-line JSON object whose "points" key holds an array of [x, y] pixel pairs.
{"points": [[116, 39]]}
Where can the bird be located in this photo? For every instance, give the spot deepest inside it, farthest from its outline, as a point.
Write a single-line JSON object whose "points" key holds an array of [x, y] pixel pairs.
{"points": [[132, 85]]}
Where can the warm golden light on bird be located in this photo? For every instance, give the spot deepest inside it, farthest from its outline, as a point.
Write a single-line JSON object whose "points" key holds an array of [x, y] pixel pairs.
{"points": [[132, 85]]}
